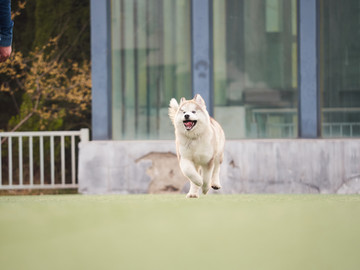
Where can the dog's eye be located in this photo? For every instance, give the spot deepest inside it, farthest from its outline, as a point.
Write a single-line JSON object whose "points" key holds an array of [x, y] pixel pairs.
{"points": [[183, 112], [193, 111]]}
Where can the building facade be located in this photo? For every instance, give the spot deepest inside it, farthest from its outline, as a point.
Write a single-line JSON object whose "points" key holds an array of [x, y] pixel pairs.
{"points": [[267, 69]]}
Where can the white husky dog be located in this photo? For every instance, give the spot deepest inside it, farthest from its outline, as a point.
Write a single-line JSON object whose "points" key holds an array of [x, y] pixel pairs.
{"points": [[199, 144]]}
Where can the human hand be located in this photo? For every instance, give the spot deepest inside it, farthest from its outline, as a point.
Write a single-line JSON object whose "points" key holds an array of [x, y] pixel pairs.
{"points": [[4, 53]]}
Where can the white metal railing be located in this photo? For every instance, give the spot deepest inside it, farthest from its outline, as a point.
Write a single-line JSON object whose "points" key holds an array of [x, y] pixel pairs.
{"points": [[37, 176]]}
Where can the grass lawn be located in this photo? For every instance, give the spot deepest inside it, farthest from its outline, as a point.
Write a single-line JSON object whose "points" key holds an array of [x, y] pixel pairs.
{"points": [[170, 232]]}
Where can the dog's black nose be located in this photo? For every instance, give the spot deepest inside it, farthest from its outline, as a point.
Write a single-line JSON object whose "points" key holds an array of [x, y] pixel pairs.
{"points": [[187, 116]]}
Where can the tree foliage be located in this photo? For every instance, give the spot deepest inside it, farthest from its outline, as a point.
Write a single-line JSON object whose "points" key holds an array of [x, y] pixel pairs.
{"points": [[52, 91], [40, 20], [46, 84]]}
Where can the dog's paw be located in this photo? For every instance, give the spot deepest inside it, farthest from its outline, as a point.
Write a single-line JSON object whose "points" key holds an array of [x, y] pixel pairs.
{"points": [[216, 187], [191, 195]]}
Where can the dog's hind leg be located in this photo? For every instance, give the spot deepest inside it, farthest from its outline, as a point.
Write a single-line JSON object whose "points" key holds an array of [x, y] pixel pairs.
{"points": [[215, 181], [207, 173]]}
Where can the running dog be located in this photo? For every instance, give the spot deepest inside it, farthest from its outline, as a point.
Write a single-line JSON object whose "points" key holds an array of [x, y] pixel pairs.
{"points": [[200, 144]]}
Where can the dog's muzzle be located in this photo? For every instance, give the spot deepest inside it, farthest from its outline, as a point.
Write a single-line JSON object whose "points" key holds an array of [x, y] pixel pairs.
{"points": [[189, 124]]}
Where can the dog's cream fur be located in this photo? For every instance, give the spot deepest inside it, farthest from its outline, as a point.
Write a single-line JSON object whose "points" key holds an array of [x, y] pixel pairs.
{"points": [[199, 146]]}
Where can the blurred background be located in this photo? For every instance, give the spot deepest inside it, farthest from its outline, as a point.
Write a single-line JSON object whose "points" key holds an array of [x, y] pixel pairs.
{"points": [[112, 66]]}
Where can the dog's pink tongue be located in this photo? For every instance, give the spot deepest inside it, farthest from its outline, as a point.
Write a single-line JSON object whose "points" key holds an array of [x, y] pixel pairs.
{"points": [[188, 124]]}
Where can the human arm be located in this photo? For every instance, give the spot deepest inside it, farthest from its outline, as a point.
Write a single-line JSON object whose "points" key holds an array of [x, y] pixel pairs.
{"points": [[6, 27]]}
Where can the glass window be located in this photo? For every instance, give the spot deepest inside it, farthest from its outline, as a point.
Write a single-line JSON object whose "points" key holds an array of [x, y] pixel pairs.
{"points": [[339, 43], [255, 68], [151, 63]]}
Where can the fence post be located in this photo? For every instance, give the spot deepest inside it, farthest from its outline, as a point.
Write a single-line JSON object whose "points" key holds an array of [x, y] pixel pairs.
{"points": [[84, 135]]}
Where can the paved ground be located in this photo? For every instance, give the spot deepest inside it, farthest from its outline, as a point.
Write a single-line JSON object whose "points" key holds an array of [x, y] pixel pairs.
{"points": [[171, 232]]}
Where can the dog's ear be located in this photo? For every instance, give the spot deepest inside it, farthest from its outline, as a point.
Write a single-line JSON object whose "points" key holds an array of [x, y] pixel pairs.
{"points": [[182, 100], [173, 108], [199, 100], [174, 104]]}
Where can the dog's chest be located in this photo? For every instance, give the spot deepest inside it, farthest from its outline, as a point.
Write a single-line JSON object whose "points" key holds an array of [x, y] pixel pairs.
{"points": [[200, 152]]}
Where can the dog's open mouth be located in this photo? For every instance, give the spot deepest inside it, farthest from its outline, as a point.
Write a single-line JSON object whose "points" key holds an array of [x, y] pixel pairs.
{"points": [[189, 124]]}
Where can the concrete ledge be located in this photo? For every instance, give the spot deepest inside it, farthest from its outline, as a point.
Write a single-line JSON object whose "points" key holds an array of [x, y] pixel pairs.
{"points": [[250, 166]]}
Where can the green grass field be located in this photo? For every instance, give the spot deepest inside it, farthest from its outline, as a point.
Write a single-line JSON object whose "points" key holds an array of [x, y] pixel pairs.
{"points": [[171, 232]]}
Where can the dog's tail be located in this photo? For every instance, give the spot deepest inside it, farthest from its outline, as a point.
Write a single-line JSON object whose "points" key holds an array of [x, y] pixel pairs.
{"points": [[173, 108]]}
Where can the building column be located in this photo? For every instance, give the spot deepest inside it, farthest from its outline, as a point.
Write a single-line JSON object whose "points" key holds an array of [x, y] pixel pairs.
{"points": [[309, 98], [101, 69], [202, 63]]}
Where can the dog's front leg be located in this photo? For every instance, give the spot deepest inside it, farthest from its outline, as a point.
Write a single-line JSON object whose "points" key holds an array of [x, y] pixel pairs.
{"points": [[196, 182], [194, 191]]}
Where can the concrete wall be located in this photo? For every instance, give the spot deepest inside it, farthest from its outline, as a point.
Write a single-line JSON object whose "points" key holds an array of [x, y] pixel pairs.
{"points": [[250, 166]]}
